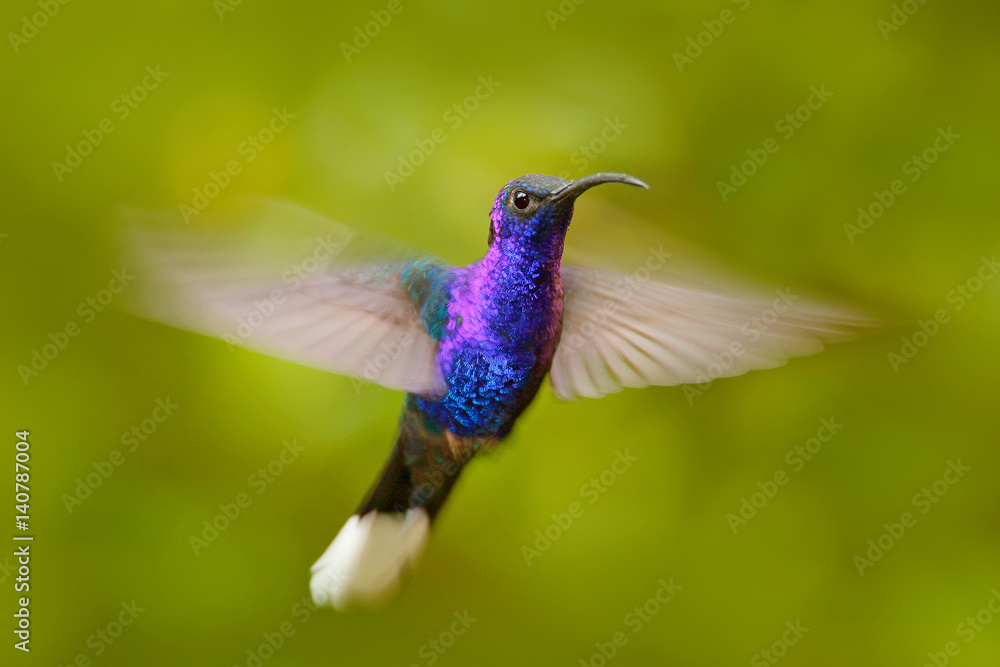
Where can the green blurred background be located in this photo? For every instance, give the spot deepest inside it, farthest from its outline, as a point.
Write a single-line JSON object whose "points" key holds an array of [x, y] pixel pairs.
{"points": [[696, 459]]}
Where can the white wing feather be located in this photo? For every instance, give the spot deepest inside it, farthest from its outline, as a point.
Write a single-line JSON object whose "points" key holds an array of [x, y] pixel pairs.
{"points": [[626, 333], [288, 283]]}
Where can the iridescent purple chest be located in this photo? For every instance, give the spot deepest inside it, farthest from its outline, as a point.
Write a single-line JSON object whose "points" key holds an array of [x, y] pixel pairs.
{"points": [[504, 322]]}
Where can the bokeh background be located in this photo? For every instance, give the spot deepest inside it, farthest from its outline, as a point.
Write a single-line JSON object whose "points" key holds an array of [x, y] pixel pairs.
{"points": [[228, 66]]}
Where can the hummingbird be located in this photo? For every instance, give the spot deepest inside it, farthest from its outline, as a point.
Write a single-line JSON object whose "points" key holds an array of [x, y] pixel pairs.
{"points": [[470, 345]]}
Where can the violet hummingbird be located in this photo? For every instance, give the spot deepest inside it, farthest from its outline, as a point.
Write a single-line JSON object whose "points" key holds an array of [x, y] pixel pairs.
{"points": [[470, 346]]}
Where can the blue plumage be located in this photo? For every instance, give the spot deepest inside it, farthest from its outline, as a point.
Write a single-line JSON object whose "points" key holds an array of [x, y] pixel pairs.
{"points": [[470, 345], [497, 323]]}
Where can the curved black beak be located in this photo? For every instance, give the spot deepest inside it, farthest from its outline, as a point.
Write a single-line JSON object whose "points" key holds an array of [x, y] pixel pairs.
{"points": [[574, 189]]}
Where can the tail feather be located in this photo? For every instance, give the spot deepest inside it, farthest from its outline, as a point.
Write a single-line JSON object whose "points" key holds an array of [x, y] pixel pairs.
{"points": [[387, 534], [366, 559]]}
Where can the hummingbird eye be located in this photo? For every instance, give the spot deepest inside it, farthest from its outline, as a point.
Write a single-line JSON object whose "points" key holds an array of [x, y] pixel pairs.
{"points": [[521, 200]]}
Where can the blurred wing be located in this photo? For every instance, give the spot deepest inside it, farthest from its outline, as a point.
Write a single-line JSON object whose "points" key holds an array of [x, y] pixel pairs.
{"points": [[620, 331], [289, 283]]}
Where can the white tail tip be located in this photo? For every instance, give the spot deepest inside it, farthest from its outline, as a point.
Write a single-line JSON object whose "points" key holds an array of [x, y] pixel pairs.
{"points": [[367, 558]]}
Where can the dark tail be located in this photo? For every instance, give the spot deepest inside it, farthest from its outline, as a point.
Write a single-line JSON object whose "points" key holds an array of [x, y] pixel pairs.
{"points": [[389, 530], [421, 470]]}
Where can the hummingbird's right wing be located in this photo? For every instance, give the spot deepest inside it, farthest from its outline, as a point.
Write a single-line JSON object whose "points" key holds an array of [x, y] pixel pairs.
{"points": [[666, 314], [289, 283], [632, 331]]}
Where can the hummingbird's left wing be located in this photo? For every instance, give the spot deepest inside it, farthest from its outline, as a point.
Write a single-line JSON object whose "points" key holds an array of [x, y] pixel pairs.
{"points": [[631, 331], [282, 280]]}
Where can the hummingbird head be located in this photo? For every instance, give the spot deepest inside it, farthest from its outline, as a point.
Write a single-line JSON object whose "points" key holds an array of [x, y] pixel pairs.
{"points": [[536, 207]]}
